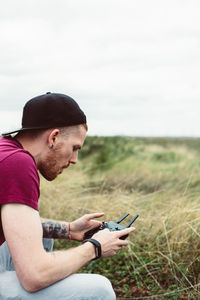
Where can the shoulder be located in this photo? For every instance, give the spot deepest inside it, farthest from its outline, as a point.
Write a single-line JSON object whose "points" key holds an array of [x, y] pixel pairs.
{"points": [[13, 154], [21, 156], [19, 161], [19, 179]]}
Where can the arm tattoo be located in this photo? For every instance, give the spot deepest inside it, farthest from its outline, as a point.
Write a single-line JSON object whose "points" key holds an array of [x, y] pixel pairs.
{"points": [[55, 230]]}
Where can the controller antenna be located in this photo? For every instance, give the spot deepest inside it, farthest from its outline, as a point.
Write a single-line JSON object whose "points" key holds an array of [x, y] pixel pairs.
{"points": [[131, 222], [126, 215]]}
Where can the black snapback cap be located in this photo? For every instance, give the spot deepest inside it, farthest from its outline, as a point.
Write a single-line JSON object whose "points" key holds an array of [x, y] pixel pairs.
{"points": [[50, 110]]}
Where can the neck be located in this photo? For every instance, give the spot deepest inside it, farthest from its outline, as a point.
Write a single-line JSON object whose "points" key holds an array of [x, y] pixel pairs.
{"points": [[33, 146]]}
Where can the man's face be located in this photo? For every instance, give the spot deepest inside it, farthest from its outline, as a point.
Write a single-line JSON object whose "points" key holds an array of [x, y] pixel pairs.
{"points": [[64, 153]]}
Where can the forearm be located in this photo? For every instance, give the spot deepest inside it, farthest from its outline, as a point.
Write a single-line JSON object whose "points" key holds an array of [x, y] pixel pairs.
{"points": [[58, 265], [36, 268], [55, 229]]}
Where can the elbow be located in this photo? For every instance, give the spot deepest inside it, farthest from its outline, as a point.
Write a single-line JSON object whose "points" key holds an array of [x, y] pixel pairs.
{"points": [[35, 276], [33, 282], [31, 287]]}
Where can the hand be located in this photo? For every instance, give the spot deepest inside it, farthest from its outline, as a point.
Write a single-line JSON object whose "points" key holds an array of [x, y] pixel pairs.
{"points": [[83, 224], [110, 240]]}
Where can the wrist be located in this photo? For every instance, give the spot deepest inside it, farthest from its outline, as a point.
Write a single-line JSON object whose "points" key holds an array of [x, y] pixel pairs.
{"points": [[90, 250], [72, 230], [69, 231], [97, 247]]}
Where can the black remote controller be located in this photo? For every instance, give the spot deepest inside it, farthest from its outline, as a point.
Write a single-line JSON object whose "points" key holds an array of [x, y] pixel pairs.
{"points": [[112, 226]]}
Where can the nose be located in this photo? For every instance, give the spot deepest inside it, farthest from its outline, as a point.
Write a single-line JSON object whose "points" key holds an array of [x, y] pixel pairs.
{"points": [[74, 158]]}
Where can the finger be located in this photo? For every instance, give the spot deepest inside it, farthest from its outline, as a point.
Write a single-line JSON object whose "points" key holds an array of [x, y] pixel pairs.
{"points": [[105, 229], [124, 231], [95, 223], [121, 247], [100, 232], [118, 248], [95, 215], [122, 243]]}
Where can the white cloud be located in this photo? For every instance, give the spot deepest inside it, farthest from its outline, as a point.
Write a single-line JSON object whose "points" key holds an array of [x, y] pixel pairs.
{"points": [[10, 120], [119, 59]]}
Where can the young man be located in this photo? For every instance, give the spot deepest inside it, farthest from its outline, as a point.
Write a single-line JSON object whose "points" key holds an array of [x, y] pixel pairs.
{"points": [[53, 130]]}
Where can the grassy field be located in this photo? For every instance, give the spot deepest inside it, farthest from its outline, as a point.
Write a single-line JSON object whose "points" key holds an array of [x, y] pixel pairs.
{"points": [[160, 180]]}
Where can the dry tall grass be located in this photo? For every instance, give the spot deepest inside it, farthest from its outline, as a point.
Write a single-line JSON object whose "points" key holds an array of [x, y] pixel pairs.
{"points": [[162, 184]]}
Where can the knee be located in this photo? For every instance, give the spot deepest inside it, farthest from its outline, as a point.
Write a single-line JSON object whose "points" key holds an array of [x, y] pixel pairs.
{"points": [[103, 288]]}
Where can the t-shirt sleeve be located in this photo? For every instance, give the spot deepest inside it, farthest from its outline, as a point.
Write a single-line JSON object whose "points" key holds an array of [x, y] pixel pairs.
{"points": [[19, 180]]}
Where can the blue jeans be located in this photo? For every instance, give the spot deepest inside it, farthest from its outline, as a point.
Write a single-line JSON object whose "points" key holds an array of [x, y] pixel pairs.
{"points": [[76, 286]]}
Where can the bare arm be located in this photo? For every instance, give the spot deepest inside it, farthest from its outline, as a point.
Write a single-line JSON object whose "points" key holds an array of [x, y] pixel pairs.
{"points": [[36, 268], [76, 229], [55, 229]]}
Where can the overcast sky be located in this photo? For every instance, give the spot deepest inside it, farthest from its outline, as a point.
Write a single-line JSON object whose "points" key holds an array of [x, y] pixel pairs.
{"points": [[132, 65]]}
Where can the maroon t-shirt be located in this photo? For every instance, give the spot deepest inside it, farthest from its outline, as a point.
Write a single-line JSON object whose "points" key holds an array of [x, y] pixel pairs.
{"points": [[19, 178]]}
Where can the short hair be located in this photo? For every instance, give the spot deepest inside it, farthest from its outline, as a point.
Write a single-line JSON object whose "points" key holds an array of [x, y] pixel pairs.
{"points": [[64, 131]]}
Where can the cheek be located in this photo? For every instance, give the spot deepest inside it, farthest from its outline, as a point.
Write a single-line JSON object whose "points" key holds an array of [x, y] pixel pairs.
{"points": [[67, 155]]}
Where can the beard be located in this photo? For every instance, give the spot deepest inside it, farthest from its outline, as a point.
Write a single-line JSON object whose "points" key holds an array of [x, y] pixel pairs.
{"points": [[49, 167]]}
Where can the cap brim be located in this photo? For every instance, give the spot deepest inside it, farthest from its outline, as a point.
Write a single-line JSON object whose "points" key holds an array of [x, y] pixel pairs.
{"points": [[10, 132], [22, 129]]}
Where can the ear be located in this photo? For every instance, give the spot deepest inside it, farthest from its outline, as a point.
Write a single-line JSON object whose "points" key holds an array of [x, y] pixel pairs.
{"points": [[53, 137]]}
